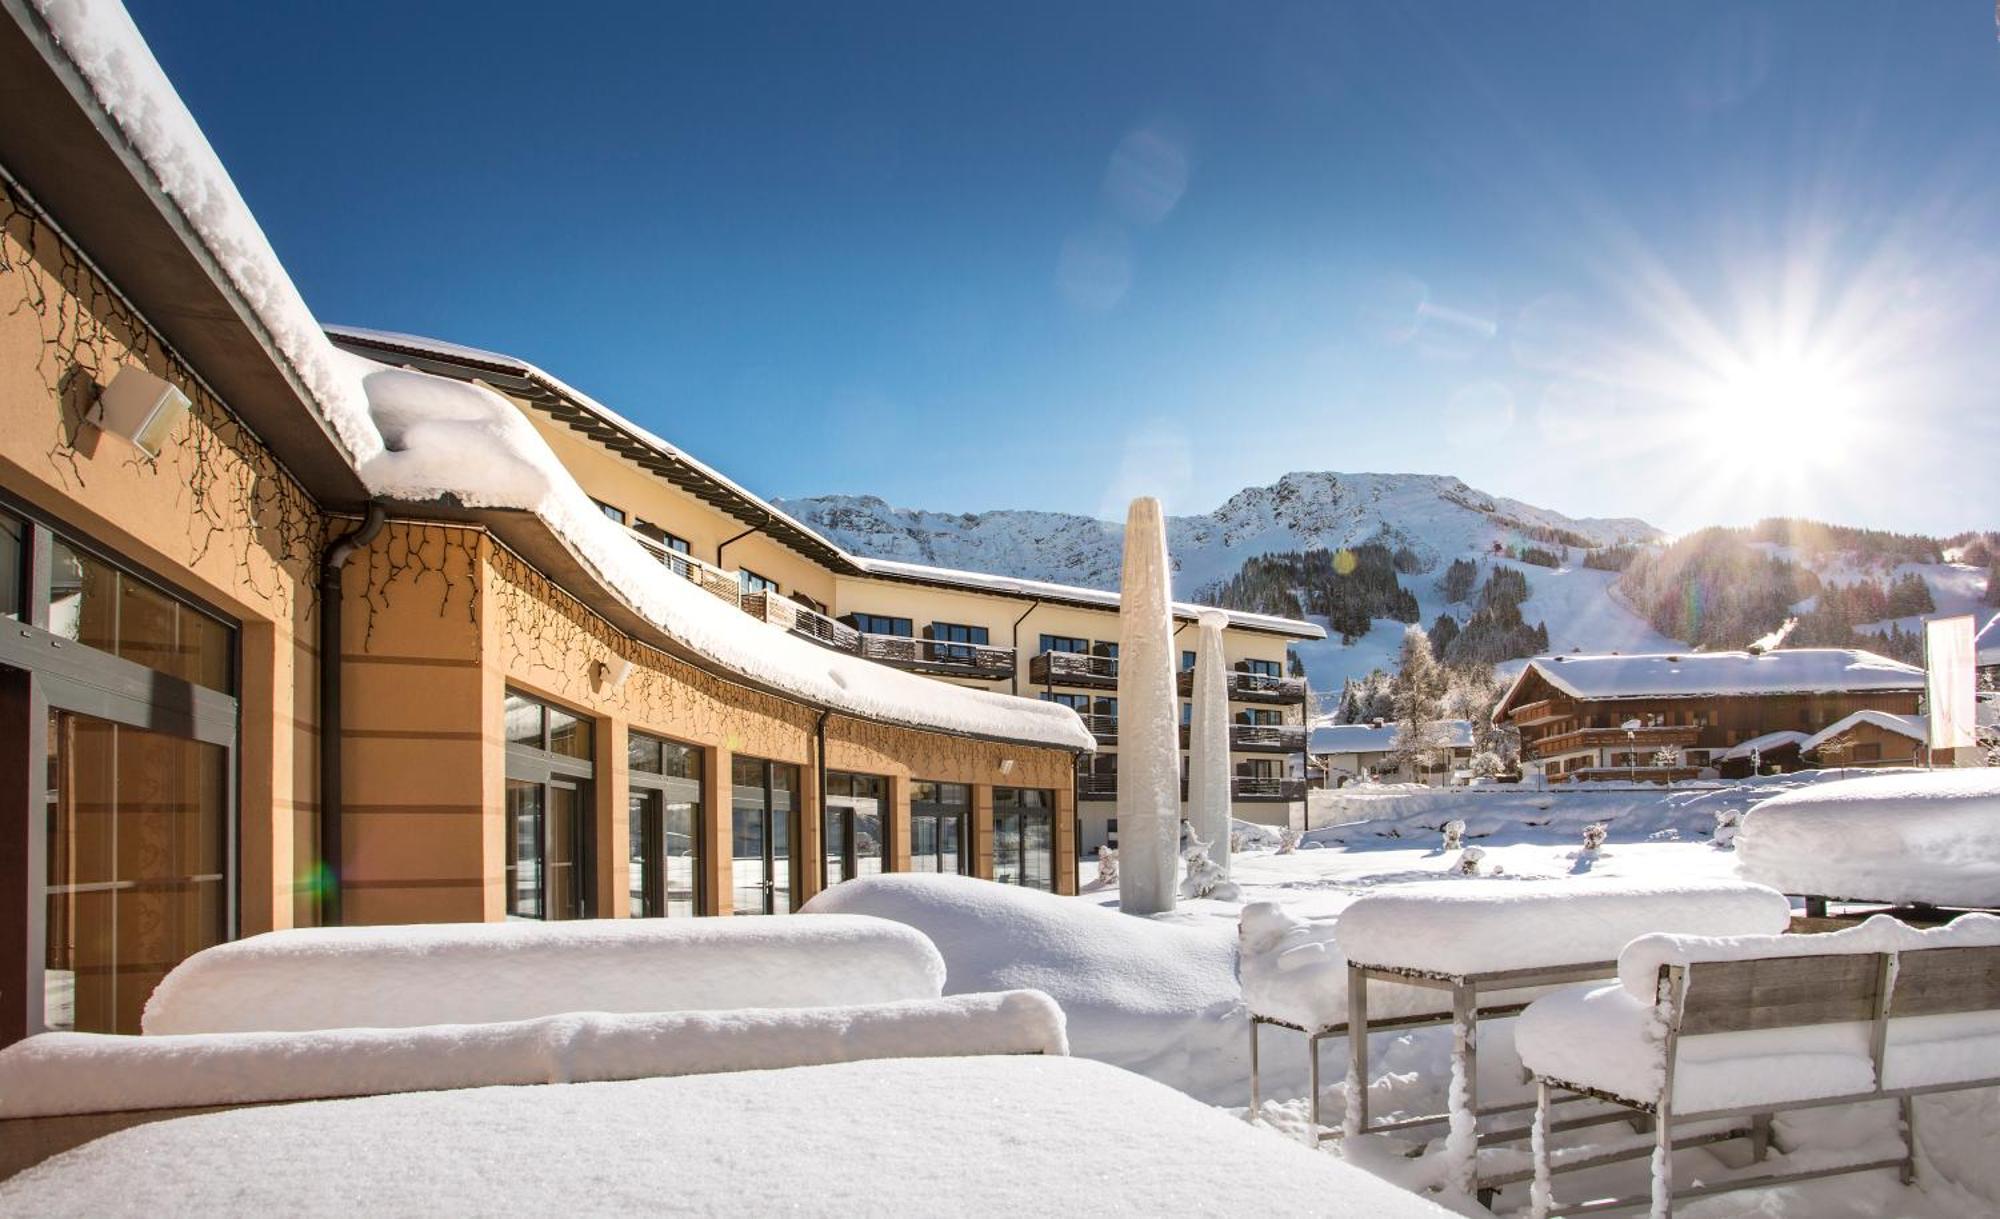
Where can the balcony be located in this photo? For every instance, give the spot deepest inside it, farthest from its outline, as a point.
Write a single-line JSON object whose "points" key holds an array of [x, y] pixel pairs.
{"points": [[1254, 687], [1075, 669], [1527, 715], [1241, 789], [939, 657], [707, 576], [1652, 737], [934, 656], [1261, 738], [1266, 791], [1103, 727]]}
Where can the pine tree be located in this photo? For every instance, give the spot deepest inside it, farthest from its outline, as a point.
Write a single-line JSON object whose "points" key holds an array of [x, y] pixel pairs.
{"points": [[1419, 691]]}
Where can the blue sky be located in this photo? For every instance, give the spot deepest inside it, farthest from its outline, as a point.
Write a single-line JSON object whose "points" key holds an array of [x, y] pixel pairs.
{"points": [[1692, 262]]}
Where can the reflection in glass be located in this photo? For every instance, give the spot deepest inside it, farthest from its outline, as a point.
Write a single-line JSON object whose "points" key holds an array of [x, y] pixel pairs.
{"points": [[523, 872], [102, 607], [135, 877]]}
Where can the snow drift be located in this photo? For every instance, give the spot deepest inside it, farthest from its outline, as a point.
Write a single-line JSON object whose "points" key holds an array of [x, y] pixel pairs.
{"points": [[477, 973], [1156, 996], [973, 1136], [1912, 836], [55, 1073]]}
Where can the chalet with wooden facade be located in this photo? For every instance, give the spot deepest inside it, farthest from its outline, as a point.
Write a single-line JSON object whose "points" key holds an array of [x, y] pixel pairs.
{"points": [[1672, 716], [1870, 738]]}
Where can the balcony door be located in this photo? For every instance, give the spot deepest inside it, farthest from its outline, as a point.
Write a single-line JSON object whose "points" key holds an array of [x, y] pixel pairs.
{"points": [[763, 813], [550, 848]]}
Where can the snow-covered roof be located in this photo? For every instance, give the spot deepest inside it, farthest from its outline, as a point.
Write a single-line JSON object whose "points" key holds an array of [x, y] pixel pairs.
{"points": [[420, 438], [1916, 727], [1711, 674], [1766, 743], [1372, 738], [447, 439], [791, 530]]}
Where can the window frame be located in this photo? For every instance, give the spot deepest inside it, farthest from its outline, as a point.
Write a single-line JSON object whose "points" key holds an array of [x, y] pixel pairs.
{"points": [[544, 767], [750, 582], [867, 624], [659, 789]]}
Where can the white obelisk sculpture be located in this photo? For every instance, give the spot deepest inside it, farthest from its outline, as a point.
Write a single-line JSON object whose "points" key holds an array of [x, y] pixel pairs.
{"points": [[1208, 742], [1149, 771]]}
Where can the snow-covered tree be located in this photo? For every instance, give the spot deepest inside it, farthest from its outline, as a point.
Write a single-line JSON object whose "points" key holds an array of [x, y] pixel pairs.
{"points": [[1203, 876], [1419, 690], [1468, 861], [1594, 835], [1288, 840], [1454, 834], [1107, 865]]}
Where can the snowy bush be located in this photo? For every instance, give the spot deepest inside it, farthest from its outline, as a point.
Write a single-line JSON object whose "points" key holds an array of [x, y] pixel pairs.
{"points": [[1107, 865], [1668, 755], [1288, 840], [1727, 821], [1204, 877], [1593, 837], [1454, 834], [1468, 861]]}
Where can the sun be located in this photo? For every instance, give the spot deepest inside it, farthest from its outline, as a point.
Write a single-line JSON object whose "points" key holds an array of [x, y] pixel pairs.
{"points": [[1797, 406]]}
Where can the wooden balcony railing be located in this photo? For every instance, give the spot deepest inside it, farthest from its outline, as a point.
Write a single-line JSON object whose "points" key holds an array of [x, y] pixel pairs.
{"points": [[710, 578], [935, 656], [1079, 669], [1250, 791], [1266, 790], [1649, 738], [941, 656], [1254, 687], [1103, 727]]}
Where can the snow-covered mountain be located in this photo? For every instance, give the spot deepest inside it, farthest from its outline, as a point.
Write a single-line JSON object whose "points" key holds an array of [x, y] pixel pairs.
{"points": [[1438, 517]]}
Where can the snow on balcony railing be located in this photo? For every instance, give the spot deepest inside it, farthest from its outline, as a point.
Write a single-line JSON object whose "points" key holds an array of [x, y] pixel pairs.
{"points": [[707, 576], [802, 620]]}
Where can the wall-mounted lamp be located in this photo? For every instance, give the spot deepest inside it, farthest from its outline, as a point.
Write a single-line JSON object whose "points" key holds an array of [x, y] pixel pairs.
{"points": [[611, 674], [139, 407]]}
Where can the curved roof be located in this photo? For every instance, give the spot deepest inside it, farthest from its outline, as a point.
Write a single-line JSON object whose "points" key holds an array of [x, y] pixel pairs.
{"points": [[674, 465]]}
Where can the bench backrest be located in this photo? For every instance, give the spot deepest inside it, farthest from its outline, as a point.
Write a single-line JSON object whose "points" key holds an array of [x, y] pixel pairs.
{"points": [[1787, 992]]}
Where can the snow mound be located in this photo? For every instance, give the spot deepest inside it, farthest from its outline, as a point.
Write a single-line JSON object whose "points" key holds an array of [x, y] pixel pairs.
{"points": [[478, 973], [1480, 926], [903, 1137], [1912, 836], [1156, 996], [1293, 971], [55, 1073]]}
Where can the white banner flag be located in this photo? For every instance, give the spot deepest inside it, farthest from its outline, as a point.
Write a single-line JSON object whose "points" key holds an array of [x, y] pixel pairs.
{"points": [[1948, 681]]}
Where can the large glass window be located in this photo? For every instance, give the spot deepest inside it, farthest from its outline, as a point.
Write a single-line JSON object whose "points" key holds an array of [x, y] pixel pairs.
{"points": [[1024, 846], [880, 624], [666, 835], [763, 803], [1065, 643], [855, 826], [138, 835], [753, 583], [550, 844], [1263, 668], [957, 632], [940, 814], [103, 607]]}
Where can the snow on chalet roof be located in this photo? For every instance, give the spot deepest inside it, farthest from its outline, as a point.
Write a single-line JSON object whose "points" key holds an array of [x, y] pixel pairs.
{"points": [[853, 564], [1780, 739], [1379, 738], [1916, 727], [1708, 674]]}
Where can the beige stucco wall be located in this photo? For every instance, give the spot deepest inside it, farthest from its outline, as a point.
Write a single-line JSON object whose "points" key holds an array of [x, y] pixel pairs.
{"points": [[215, 517]]}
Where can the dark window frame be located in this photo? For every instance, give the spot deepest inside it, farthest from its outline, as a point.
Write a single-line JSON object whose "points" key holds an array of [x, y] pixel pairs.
{"points": [[881, 624], [42, 672], [939, 811], [750, 582], [658, 789], [770, 813], [1063, 643], [548, 769], [1005, 807], [850, 855]]}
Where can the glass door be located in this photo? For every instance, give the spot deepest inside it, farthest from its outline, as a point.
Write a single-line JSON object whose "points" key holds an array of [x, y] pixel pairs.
{"points": [[136, 877], [762, 805]]}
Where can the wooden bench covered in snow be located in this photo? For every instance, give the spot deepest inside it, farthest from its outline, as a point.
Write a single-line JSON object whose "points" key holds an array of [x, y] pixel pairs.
{"points": [[1458, 951], [1696, 1030]]}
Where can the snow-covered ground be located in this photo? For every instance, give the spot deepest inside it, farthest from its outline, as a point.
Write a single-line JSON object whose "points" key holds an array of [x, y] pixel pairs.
{"points": [[1160, 995]]}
